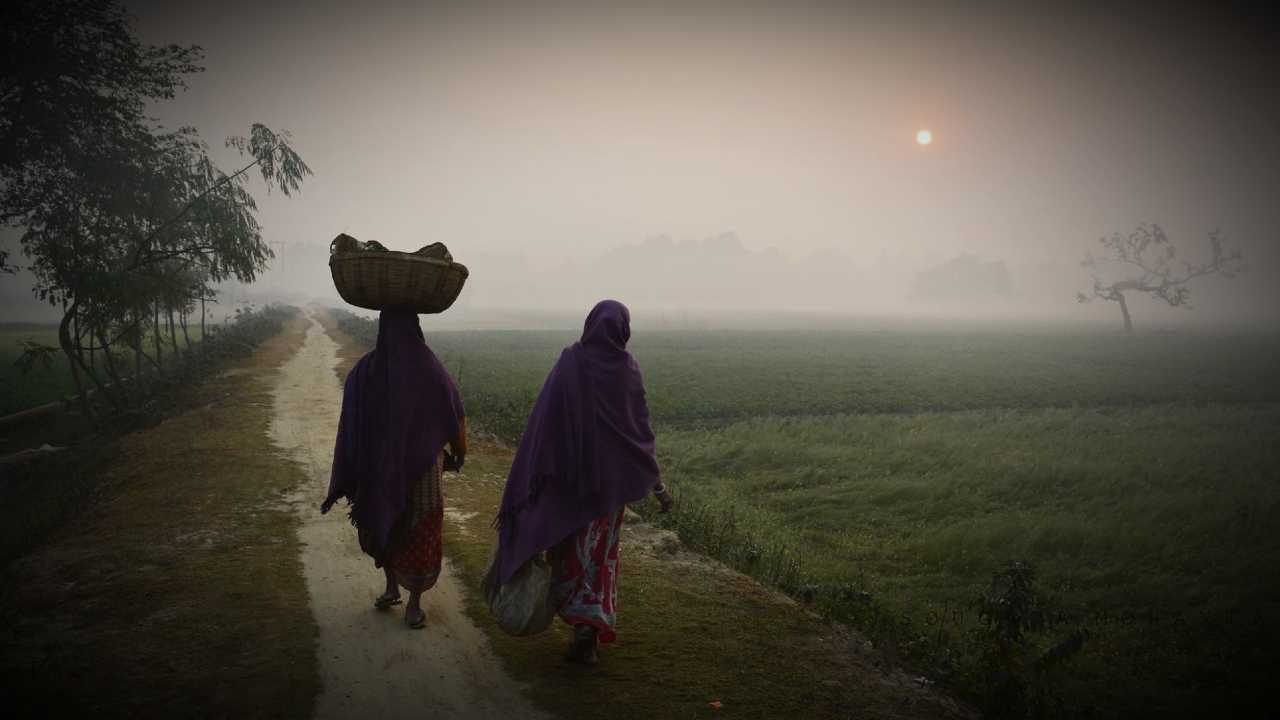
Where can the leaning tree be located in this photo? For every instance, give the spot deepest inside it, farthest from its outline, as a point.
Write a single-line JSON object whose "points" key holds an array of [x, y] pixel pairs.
{"points": [[1144, 261]]}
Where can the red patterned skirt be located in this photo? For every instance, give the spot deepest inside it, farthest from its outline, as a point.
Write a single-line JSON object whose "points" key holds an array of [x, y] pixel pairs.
{"points": [[585, 580], [416, 560]]}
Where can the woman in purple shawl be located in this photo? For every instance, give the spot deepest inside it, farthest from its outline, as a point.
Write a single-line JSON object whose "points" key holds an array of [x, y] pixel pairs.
{"points": [[586, 452], [399, 409]]}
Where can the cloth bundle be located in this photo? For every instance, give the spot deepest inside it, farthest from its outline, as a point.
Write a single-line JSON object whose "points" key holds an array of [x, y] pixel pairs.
{"points": [[521, 606], [346, 243]]}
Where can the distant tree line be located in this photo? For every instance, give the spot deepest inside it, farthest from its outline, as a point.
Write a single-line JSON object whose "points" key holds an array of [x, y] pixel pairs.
{"points": [[127, 226], [964, 277]]}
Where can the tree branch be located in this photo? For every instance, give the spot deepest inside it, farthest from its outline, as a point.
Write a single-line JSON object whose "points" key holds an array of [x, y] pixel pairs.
{"points": [[146, 242]]}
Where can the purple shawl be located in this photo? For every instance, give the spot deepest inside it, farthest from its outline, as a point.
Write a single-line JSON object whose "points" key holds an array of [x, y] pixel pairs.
{"points": [[587, 448], [399, 407]]}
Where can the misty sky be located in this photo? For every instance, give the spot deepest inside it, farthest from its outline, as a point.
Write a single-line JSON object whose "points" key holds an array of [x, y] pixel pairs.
{"points": [[538, 140]]}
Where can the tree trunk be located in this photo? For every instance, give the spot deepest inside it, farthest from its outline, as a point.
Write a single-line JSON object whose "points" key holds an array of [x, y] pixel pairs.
{"points": [[109, 361], [138, 385], [89, 368], [173, 334], [93, 351], [115, 388], [182, 320], [155, 364], [202, 332], [155, 328], [1124, 310], [75, 330], [64, 339]]}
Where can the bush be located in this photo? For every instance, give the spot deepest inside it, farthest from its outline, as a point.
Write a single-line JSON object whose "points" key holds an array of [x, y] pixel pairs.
{"points": [[1016, 672]]}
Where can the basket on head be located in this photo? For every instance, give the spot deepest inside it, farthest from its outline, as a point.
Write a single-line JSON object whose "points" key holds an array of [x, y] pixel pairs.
{"points": [[427, 281]]}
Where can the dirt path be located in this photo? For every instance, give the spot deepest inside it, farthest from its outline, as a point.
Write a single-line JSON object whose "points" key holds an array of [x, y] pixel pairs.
{"points": [[371, 665]]}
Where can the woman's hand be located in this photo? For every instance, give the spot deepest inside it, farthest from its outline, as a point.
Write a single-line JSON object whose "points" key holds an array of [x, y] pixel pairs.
{"points": [[453, 461], [663, 493]]}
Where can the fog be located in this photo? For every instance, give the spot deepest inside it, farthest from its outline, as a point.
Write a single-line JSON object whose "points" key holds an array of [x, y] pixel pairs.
{"points": [[731, 159]]}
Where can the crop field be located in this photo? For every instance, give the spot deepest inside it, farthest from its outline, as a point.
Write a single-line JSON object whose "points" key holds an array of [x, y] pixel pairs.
{"points": [[708, 378], [19, 390], [886, 477], [40, 385]]}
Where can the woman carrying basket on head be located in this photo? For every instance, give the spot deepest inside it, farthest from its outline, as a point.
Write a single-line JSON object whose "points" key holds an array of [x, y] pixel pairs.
{"points": [[399, 409], [586, 452]]}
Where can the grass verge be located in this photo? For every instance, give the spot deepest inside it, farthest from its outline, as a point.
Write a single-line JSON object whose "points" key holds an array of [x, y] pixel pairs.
{"points": [[1152, 528], [179, 591], [691, 632]]}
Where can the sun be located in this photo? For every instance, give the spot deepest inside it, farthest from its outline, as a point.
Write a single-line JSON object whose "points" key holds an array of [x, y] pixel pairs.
{"points": [[924, 137]]}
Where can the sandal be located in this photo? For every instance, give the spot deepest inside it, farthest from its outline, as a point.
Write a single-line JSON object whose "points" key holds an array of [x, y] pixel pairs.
{"points": [[384, 602]]}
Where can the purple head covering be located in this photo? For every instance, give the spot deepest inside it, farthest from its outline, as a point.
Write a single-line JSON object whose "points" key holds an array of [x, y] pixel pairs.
{"points": [[399, 407], [587, 448]]}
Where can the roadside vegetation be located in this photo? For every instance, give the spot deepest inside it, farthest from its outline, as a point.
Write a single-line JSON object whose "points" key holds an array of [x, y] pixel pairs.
{"points": [[1123, 487], [33, 382], [126, 226], [156, 572], [51, 487]]}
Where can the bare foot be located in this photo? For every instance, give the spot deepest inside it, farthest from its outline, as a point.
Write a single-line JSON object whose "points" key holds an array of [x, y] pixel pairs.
{"points": [[415, 618], [585, 646]]}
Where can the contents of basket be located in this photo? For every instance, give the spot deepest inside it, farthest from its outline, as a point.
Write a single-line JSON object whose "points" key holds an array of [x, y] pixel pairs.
{"points": [[370, 276]]}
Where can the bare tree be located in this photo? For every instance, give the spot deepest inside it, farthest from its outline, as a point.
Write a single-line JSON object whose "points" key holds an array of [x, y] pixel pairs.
{"points": [[1148, 264]]}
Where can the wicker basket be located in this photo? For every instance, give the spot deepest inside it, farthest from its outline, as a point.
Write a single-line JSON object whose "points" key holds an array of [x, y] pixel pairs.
{"points": [[378, 280]]}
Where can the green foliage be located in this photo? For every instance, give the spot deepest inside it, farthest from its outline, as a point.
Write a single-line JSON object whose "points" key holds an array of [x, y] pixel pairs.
{"points": [[122, 221], [236, 339], [74, 86], [18, 390], [1016, 682], [35, 354]]}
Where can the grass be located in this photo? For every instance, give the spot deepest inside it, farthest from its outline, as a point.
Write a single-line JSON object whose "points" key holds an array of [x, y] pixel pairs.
{"points": [[885, 476], [43, 385], [177, 591], [707, 378], [690, 632], [1153, 522]]}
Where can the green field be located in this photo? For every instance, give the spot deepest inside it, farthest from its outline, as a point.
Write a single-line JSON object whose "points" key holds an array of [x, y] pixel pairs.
{"points": [[38, 386], [42, 385], [886, 476], [696, 378]]}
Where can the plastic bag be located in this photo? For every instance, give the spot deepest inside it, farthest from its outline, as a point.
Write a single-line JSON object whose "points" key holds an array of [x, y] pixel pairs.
{"points": [[523, 605]]}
